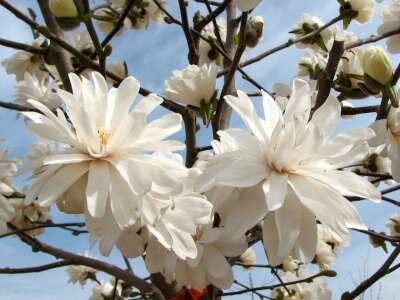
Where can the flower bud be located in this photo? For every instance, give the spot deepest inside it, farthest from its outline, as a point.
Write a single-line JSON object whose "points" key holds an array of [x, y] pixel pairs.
{"points": [[376, 64], [63, 8], [254, 31]]}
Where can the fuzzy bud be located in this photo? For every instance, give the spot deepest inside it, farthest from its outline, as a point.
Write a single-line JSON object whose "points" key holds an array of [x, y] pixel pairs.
{"points": [[376, 64]]}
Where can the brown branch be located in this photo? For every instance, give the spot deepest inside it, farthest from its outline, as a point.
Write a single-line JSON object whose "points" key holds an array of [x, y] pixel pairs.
{"points": [[36, 269], [44, 225], [170, 105], [17, 107], [326, 80], [372, 39], [350, 111], [212, 16], [94, 37], [329, 273], [126, 276], [223, 113], [62, 59], [381, 272], [289, 43], [119, 23], [193, 53], [24, 47], [189, 118], [373, 233]]}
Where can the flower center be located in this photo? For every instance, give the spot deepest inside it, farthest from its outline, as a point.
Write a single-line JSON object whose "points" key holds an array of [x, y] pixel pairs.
{"points": [[104, 136]]}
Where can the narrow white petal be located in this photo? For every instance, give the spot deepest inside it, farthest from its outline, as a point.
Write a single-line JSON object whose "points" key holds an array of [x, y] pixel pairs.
{"points": [[97, 188], [275, 189]]}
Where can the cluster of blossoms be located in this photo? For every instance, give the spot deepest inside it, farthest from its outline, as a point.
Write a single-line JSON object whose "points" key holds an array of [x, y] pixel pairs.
{"points": [[287, 173]]}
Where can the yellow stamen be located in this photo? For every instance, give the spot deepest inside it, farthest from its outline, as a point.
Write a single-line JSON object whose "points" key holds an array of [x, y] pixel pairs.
{"points": [[104, 136]]}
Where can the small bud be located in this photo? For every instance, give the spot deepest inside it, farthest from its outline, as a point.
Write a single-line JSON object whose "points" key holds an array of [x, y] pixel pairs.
{"points": [[254, 31], [63, 8], [376, 64]]}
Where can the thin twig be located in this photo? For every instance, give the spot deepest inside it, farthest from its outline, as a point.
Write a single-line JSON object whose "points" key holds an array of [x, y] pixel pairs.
{"points": [[35, 269], [24, 47]]}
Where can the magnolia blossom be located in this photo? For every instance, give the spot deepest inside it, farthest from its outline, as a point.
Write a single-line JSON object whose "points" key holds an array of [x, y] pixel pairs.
{"points": [[285, 162], [80, 273], [394, 225], [246, 5], [350, 67], [364, 8], [193, 86], [83, 42], [108, 19], [8, 169], [207, 54], [289, 264], [106, 290], [317, 289], [26, 215], [210, 265], [388, 133], [307, 24], [118, 68], [391, 20], [248, 258], [105, 159], [22, 62], [376, 161], [32, 88], [311, 64], [141, 15]]}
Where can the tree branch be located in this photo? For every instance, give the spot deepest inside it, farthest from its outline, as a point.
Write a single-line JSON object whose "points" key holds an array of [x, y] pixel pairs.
{"points": [[24, 47], [36, 269]]}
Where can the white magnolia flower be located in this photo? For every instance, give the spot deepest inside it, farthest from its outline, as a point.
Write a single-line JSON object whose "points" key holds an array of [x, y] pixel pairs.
{"points": [[394, 225], [8, 169], [118, 68], [289, 264], [21, 62], [365, 9], [248, 258], [376, 161], [106, 290], [324, 255], [286, 162], [311, 64], [105, 159], [106, 26], [317, 289], [193, 86], [350, 66], [32, 88], [173, 219], [80, 273], [388, 133], [210, 266], [207, 54], [26, 215], [307, 24], [83, 42], [391, 20], [247, 5]]}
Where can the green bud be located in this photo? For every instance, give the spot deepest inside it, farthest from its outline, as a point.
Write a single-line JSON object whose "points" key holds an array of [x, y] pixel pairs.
{"points": [[376, 64]]}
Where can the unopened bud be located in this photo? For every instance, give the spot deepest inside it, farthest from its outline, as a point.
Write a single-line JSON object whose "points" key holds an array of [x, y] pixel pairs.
{"points": [[63, 8], [254, 31], [376, 64]]}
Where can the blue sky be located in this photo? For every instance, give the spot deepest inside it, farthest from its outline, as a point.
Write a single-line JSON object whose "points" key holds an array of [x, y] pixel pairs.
{"points": [[151, 56]]}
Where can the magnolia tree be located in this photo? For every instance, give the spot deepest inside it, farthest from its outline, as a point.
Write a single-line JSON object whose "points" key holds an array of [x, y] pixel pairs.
{"points": [[285, 179]]}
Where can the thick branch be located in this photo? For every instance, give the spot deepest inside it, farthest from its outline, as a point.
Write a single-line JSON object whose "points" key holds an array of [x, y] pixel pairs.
{"points": [[36, 269], [381, 272], [126, 276], [62, 59], [24, 47], [193, 53], [326, 80]]}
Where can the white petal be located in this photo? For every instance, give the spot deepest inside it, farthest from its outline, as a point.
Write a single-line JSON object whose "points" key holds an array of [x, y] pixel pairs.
{"points": [[216, 264], [60, 182], [272, 112], [327, 116], [246, 5], [299, 104], [275, 189], [97, 188]]}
